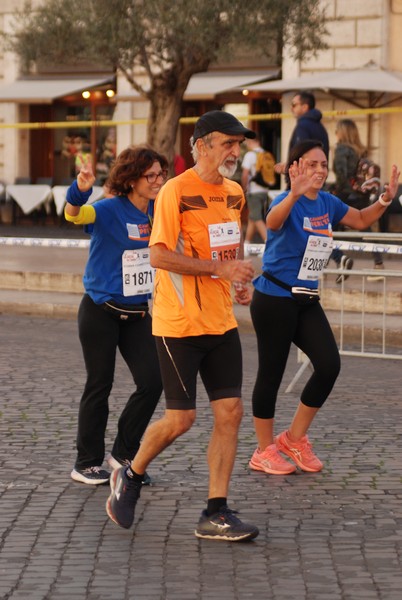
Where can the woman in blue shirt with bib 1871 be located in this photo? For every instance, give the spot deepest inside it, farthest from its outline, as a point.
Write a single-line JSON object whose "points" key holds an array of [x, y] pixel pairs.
{"points": [[113, 313], [299, 243]]}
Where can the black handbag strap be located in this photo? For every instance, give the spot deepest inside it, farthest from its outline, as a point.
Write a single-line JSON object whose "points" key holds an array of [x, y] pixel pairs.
{"points": [[281, 284]]}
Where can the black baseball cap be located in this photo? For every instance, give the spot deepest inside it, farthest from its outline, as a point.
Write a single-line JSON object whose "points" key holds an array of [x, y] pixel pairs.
{"points": [[219, 120]]}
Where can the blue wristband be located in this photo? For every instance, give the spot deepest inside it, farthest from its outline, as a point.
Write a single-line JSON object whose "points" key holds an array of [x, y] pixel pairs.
{"points": [[75, 196]]}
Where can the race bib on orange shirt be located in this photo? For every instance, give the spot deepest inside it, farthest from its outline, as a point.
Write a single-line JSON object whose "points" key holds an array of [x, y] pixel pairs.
{"points": [[224, 240]]}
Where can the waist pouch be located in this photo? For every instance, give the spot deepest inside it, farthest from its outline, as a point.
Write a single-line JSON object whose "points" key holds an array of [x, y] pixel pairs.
{"points": [[302, 295], [125, 312]]}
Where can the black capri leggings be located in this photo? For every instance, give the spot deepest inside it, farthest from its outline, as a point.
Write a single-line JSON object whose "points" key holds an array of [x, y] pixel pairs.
{"points": [[278, 322]]}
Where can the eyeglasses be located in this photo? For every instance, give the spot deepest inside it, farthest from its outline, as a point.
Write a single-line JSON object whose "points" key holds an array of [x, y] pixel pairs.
{"points": [[153, 177]]}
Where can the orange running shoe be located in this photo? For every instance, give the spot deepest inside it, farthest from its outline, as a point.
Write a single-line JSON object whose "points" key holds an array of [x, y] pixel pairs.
{"points": [[270, 461], [300, 452]]}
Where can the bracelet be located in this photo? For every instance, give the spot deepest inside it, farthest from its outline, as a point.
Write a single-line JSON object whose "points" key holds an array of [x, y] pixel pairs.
{"points": [[384, 202]]}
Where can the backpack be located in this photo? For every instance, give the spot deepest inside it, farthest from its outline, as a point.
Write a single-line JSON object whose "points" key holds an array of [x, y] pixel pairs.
{"points": [[367, 179], [264, 169]]}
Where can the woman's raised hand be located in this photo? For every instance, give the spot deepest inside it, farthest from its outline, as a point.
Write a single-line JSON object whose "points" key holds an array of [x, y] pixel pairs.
{"points": [[391, 188], [300, 181], [85, 177]]}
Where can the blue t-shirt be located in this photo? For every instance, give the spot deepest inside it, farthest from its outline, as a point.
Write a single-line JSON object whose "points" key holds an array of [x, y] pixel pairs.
{"points": [[284, 249], [119, 226]]}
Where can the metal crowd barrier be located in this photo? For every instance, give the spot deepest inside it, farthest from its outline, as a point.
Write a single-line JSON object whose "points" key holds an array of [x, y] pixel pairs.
{"points": [[379, 302]]}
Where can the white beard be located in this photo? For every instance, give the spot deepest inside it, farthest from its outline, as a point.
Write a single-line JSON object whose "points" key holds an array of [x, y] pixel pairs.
{"points": [[227, 170]]}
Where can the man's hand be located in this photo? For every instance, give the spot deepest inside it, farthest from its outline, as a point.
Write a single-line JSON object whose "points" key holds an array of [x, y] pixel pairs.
{"points": [[280, 168], [241, 271]]}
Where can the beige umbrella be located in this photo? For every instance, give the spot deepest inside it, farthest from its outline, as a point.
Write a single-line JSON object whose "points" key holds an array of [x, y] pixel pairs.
{"points": [[373, 80], [368, 87]]}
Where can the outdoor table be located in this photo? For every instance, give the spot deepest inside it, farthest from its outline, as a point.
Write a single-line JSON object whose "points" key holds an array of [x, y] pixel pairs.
{"points": [[29, 196], [60, 191]]}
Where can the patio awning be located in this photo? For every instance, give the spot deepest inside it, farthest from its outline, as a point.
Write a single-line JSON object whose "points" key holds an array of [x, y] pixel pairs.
{"points": [[44, 91], [370, 79], [208, 85], [205, 86]]}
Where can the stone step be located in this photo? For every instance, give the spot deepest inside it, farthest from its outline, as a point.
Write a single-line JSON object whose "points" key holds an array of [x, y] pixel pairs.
{"points": [[332, 295], [41, 281], [60, 305]]}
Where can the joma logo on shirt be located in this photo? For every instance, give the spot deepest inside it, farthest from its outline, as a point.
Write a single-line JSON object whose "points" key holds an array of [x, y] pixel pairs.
{"points": [[216, 199]]}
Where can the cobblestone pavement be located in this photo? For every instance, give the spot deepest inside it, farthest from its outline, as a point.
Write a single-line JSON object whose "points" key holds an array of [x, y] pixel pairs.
{"points": [[334, 535]]}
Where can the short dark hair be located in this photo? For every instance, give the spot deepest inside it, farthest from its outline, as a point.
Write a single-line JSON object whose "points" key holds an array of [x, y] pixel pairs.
{"points": [[130, 165], [306, 98], [298, 151]]}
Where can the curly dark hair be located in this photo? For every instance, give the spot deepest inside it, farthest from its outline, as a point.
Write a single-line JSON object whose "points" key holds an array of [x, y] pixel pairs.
{"points": [[130, 165]]}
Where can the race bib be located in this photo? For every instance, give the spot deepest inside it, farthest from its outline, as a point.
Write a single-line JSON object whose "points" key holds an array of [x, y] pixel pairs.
{"points": [[315, 258], [224, 240], [138, 275]]}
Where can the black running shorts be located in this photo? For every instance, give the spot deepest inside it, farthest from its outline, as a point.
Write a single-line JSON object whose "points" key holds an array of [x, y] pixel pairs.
{"points": [[217, 358]]}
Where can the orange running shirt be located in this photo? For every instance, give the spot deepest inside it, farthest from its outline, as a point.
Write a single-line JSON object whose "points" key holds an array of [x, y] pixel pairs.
{"points": [[200, 220]]}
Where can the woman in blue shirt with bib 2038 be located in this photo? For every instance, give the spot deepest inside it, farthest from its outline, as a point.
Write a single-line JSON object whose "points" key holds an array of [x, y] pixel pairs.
{"points": [[285, 307], [113, 313]]}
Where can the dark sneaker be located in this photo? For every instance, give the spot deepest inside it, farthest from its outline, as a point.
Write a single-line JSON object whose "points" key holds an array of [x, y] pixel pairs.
{"points": [[224, 525], [346, 263], [116, 463], [120, 505], [90, 475]]}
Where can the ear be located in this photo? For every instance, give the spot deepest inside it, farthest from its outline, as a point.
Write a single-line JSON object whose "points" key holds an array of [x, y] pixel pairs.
{"points": [[201, 147]]}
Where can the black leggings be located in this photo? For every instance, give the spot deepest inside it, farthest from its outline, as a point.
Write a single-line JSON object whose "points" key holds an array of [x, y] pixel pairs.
{"points": [[278, 322], [100, 335]]}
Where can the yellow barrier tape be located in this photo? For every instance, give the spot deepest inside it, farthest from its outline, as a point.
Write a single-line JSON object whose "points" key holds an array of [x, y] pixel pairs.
{"points": [[189, 120]]}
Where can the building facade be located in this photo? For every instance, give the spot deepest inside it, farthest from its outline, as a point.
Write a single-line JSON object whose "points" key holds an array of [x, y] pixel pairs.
{"points": [[360, 32]]}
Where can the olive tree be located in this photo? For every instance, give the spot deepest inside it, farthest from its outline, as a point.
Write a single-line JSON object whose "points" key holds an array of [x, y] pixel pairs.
{"points": [[163, 42]]}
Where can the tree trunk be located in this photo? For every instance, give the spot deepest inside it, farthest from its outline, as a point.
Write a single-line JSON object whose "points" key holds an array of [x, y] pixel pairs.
{"points": [[163, 122]]}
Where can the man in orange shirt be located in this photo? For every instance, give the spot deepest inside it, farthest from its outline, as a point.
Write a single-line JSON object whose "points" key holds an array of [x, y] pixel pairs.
{"points": [[196, 246]]}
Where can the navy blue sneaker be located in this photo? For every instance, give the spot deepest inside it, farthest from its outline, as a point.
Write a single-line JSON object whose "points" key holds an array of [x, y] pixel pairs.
{"points": [[116, 463], [90, 475], [120, 505], [224, 525]]}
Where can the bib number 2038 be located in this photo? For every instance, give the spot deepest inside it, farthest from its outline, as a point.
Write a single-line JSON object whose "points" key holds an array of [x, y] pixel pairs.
{"points": [[315, 258]]}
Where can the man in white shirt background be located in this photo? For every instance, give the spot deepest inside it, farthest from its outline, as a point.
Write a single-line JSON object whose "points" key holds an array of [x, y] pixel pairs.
{"points": [[256, 195]]}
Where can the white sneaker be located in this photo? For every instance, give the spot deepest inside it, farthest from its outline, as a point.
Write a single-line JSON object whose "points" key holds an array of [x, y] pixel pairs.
{"points": [[376, 277], [346, 263], [114, 463]]}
